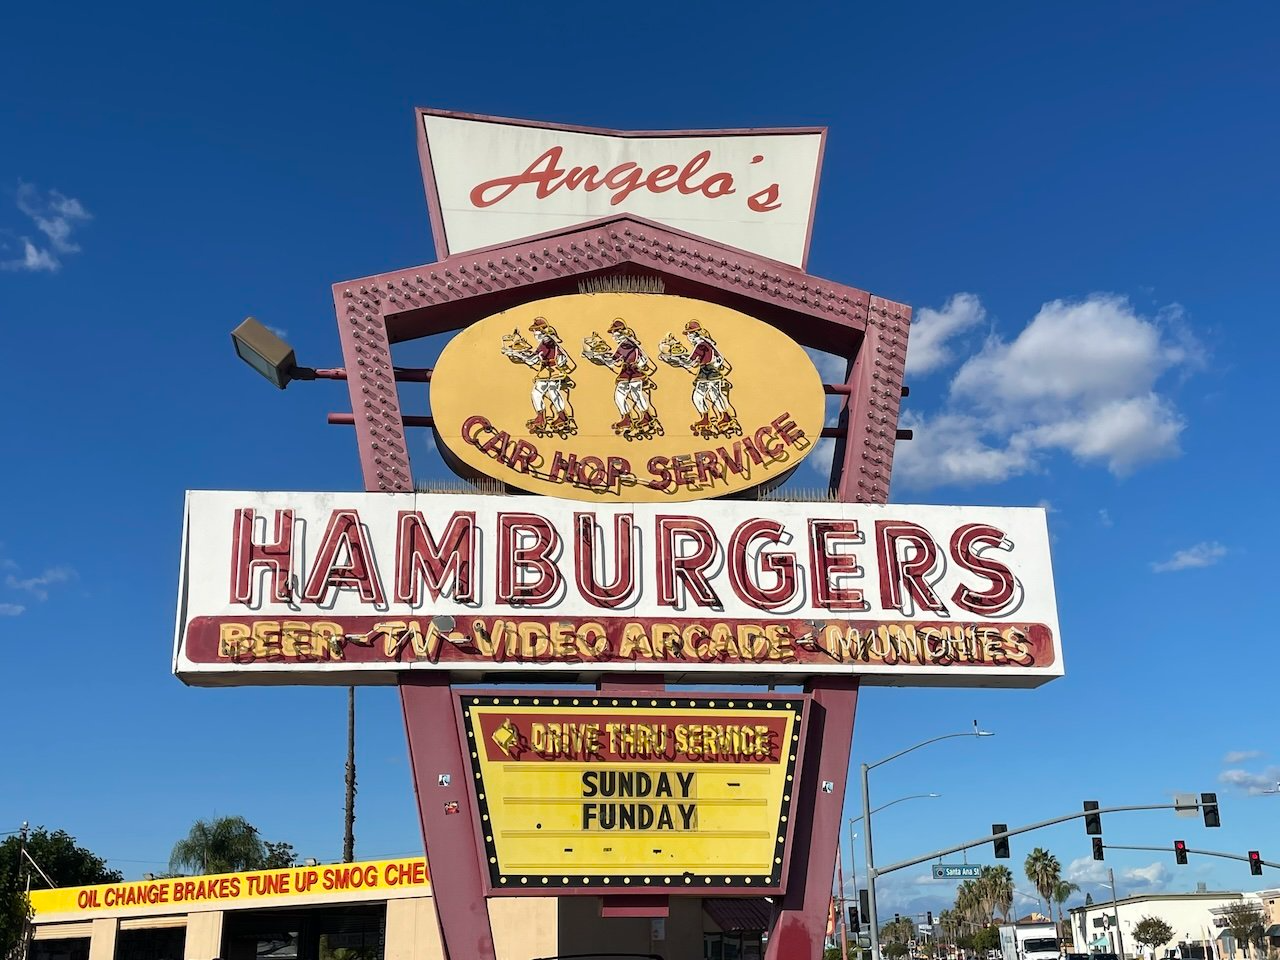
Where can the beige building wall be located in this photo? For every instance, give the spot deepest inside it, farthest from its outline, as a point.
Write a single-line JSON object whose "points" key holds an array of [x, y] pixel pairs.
{"points": [[412, 932], [204, 936], [102, 946], [524, 927]]}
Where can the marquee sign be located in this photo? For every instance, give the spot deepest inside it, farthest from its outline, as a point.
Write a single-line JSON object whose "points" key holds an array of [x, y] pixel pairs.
{"points": [[633, 397], [490, 180], [328, 588], [589, 791]]}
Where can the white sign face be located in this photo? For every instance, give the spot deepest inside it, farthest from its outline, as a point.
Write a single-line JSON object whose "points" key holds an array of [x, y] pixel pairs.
{"points": [[494, 181], [353, 587]]}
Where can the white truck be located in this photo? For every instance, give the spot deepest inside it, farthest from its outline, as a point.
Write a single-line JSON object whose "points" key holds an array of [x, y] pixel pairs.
{"points": [[1029, 941]]}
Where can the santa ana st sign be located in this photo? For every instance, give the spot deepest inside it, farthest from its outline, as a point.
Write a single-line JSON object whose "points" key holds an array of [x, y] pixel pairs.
{"points": [[956, 871]]}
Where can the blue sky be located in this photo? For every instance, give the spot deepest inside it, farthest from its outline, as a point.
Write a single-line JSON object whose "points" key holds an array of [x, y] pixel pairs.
{"points": [[1079, 200]]}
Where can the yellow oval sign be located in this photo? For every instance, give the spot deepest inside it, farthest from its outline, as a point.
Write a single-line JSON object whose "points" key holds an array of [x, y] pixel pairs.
{"points": [[626, 397]]}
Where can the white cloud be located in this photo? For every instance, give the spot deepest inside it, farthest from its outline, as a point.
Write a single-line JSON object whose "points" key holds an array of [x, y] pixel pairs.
{"points": [[1240, 756], [831, 368], [957, 448], [38, 586], [54, 215], [1080, 378], [1201, 555], [1265, 781], [1152, 876], [931, 330], [1086, 870], [11, 609], [1104, 518], [33, 259]]}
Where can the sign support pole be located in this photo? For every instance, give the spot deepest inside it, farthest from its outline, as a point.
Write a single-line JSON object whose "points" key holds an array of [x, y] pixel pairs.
{"points": [[448, 827], [800, 921]]}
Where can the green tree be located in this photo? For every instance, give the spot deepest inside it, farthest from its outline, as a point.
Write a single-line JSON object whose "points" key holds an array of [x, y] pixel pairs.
{"points": [[997, 883], [67, 863], [895, 950], [1044, 872], [986, 939], [1061, 894], [1152, 933], [1245, 920], [278, 855], [899, 931], [220, 845]]}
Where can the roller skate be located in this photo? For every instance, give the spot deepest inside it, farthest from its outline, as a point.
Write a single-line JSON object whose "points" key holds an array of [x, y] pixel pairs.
{"points": [[563, 426], [703, 428], [538, 425], [728, 426], [644, 428], [623, 427]]}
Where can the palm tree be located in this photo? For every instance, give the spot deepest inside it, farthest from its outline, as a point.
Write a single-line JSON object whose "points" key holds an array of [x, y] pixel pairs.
{"points": [[220, 845], [1044, 872], [1000, 883], [1061, 894]]}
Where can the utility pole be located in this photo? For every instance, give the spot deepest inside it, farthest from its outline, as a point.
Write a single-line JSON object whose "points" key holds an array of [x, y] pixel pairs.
{"points": [[844, 921], [22, 856], [348, 837], [870, 859], [853, 869], [1115, 912]]}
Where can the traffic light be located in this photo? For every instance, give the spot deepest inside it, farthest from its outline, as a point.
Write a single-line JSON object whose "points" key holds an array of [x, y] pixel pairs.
{"points": [[1209, 807], [1180, 851], [854, 925], [1092, 821], [1255, 863], [1001, 844], [928, 917], [864, 902], [1097, 848]]}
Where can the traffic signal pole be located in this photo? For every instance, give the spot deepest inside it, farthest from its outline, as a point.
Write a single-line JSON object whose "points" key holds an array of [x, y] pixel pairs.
{"points": [[873, 872], [1203, 853]]}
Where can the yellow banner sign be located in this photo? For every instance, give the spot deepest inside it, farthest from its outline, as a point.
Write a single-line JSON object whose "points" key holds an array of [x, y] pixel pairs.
{"points": [[386, 878], [597, 791], [626, 397]]}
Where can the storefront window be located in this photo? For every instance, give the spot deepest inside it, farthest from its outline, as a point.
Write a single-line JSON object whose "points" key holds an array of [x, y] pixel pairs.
{"points": [[321, 933], [160, 943], [70, 948], [732, 946]]}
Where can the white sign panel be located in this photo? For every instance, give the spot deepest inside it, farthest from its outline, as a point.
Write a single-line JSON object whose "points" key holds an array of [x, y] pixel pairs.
{"points": [[493, 181], [354, 587]]}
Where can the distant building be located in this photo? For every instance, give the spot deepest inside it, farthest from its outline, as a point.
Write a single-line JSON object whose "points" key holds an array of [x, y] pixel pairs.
{"points": [[1102, 928]]}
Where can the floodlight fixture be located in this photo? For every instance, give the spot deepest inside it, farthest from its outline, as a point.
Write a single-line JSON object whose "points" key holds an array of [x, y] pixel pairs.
{"points": [[265, 352]]}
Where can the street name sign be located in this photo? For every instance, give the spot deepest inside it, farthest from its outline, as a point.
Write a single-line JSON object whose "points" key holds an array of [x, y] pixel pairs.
{"points": [[956, 871]]}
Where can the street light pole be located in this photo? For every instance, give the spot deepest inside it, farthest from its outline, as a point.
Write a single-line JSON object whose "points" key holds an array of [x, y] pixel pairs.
{"points": [[1115, 911], [872, 915], [870, 859], [853, 867]]}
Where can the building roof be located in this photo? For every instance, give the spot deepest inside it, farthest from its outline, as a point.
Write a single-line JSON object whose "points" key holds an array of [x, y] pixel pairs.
{"points": [[732, 914], [1148, 897]]}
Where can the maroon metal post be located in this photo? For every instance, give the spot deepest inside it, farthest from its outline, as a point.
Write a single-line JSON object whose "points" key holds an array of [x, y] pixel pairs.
{"points": [[448, 826], [800, 918]]}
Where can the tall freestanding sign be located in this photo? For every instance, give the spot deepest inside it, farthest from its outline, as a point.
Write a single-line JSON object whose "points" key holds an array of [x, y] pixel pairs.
{"points": [[629, 312]]}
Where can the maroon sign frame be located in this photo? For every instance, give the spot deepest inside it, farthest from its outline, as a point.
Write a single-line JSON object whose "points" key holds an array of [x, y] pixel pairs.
{"points": [[867, 331]]}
